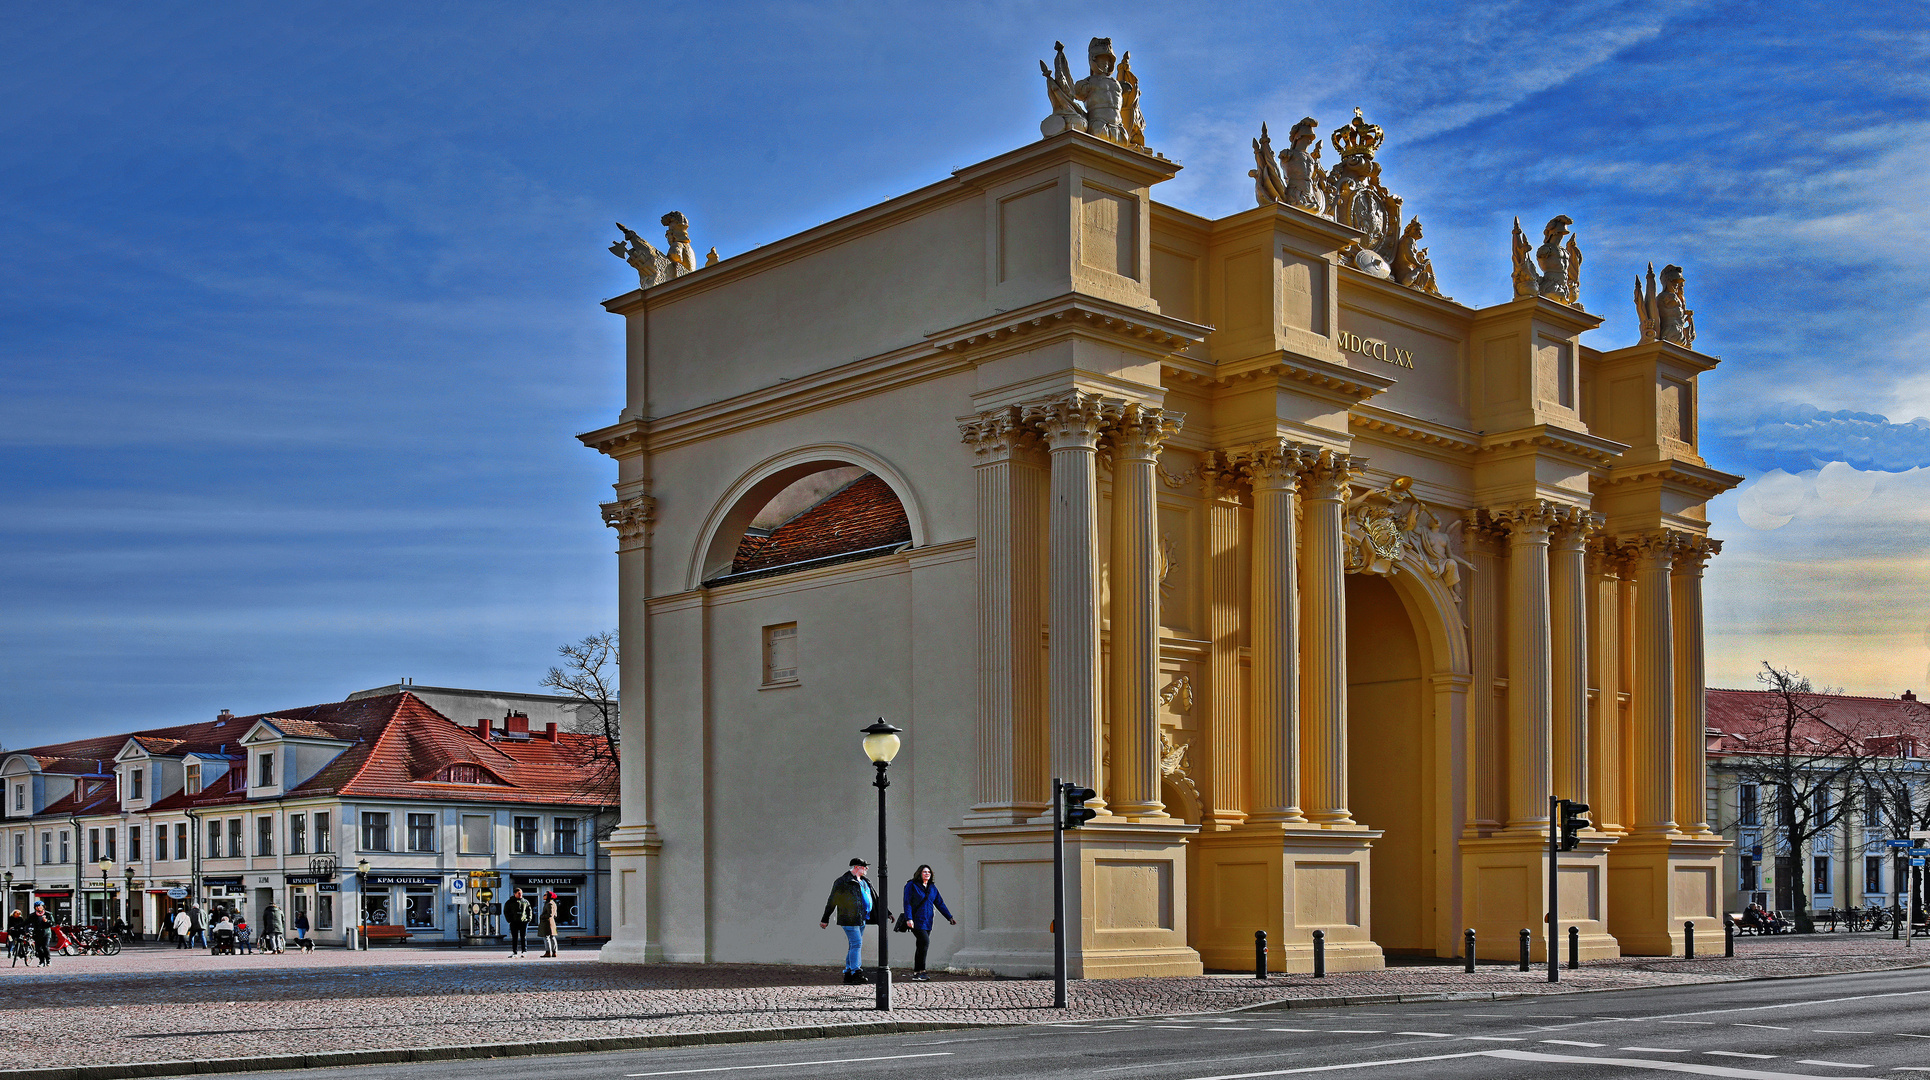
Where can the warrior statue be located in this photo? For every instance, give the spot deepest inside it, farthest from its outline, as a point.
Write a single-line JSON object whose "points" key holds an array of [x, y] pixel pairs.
{"points": [[1665, 315], [1268, 186], [1066, 112], [1555, 271], [1129, 114], [1304, 177], [1101, 94], [655, 267], [1412, 267], [1100, 104]]}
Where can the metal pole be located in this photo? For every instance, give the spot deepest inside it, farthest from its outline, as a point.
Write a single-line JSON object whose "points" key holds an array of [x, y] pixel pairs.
{"points": [[1551, 929], [884, 905], [1320, 954], [1524, 948], [1688, 940], [1728, 937], [1574, 947], [1259, 954], [1058, 895], [1467, 951]]}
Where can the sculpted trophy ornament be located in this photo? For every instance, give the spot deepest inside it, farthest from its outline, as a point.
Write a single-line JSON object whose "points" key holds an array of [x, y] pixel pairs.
{"points": [[1665, 315], [1555, 271], [1305, 179], [1102, 104], [1356, 198], [1269, 186], [1412, 267], [1391, 529], [655, 267]]}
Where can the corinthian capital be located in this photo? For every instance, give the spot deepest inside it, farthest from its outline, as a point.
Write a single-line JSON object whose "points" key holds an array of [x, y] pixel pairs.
{"points": [[631, 518], [1531, 521], [1657, 549], [1140, 431], [1694, 553], [1073, 419], [997, 434], [1327, 474], [1277, 464], [1574, 525]]}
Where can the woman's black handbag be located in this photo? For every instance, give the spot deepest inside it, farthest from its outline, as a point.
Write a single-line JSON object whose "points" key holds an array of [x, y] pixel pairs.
{"points": [[904, 922]]}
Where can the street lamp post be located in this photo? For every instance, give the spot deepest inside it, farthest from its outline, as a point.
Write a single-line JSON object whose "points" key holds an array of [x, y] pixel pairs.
{"points": [[362, 905], [881, 745], [107, 867], [127, 901]]}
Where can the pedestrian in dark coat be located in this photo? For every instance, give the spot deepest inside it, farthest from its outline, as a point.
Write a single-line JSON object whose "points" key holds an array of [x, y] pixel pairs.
{"points": [[546, 922], [856, 904], [519, 912], [41, 925], [921, 898], [271, 928]]}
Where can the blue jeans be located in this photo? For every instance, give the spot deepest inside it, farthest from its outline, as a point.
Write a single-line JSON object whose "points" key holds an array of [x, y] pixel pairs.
{"points": [[854, 949]]}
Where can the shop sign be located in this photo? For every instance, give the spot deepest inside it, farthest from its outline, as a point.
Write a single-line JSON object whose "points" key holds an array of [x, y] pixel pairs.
{"points": [[377, 878], [177, 893], [308, 879], [549, 879], [219, 882], [329, 886]]}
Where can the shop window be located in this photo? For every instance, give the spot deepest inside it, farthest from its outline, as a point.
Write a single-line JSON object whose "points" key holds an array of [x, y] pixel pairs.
{"points": [[375, 907], [234, 838], [566, 911], [325, 911], [477, 831], [422, 832], [524, 842], [264, 836], [298, 834], [323, 845], [375, 831], [566, 836], [193, 779], [419, 907]]}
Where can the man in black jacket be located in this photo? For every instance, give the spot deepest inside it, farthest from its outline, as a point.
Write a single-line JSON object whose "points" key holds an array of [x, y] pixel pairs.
{"points": [[519, 912], [856, 903]]}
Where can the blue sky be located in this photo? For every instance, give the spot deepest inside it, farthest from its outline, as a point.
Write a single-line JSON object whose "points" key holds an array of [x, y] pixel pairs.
{"points": [[298, 310]]}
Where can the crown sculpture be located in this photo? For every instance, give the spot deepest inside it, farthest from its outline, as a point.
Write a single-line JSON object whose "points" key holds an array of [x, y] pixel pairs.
{"points": [[1102, 104], [1351, 194], [656, 267], [1554, 271], [1665, 315]]}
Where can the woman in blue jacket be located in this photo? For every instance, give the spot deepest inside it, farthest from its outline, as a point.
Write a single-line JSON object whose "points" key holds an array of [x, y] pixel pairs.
{"points": [[921, 897]]}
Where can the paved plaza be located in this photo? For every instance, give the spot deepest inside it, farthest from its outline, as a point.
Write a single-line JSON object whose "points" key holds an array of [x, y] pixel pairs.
{"points": [[155, 1004]]}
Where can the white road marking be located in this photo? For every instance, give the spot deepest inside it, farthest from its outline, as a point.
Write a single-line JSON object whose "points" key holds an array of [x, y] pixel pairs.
{"points": [[1709, 1023], [1569, 1042], [1332, 1068], [1738, 1053], [1494, 1038], [1843, 1031], [788, 1064], [1356, 1031], [1832, 1064], [1301, 1031], [1652, 1050], [1765, 1027], [1427, 1034], [1640, 1063], [1907, 1035]]}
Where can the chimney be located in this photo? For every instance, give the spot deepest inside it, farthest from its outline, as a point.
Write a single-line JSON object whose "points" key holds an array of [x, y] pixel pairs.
{"points": [[1909, 695], [549, 731], [225, 715], [516, 726], [482, 728]]}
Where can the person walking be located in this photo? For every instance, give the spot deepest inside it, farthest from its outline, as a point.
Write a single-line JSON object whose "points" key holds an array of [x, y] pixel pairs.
{"points": [[41, 925], [855, 902], [921, 899], [183, 929], [301, 926], [197, 929], [546, 923], [271, 928], [519, 913]]}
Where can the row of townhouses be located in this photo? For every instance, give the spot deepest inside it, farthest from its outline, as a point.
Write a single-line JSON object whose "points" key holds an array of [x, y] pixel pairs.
{"points": [[373, 811]]}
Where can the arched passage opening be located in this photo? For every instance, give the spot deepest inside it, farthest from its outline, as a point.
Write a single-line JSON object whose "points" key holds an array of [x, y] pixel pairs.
{"points": [[813, 507], [1389, 731]]}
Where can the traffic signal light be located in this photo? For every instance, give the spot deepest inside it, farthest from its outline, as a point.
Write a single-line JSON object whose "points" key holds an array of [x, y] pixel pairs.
{"points": [[1572, 823], [1077, 813]]}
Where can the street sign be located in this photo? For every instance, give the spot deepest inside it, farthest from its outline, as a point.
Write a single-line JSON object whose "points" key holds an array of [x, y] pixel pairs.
{"points": [[1916, 862], [1920, 834], [1894, 842], [458, 884]]}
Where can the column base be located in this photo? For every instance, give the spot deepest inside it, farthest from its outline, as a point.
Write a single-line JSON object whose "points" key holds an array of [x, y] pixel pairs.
{"points": [[1505, 878], [1125, 900], [633, 869], [1288, 880], [1659, 881]]}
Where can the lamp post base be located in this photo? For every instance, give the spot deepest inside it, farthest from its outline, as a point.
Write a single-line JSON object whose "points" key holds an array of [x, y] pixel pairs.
{"points": [[883, 981]]}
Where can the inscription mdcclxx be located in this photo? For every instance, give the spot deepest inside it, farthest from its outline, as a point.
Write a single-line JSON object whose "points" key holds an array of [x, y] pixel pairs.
{"points": [[1379, 350]]}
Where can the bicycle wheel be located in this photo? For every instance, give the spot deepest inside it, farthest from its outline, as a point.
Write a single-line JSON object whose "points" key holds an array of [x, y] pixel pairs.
{"points": [[110, 946]]}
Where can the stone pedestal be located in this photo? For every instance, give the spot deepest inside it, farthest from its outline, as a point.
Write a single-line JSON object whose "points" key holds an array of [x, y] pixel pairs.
{"points": [[633, 869], [1288, 881], [1656, 883], [1506, 882], [1126, 900]]}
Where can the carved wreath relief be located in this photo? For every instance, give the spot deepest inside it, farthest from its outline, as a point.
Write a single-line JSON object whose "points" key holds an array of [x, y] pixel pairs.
{"points": [[1391, 529]]}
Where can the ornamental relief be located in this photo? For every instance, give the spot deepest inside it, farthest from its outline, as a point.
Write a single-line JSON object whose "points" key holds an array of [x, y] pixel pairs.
{"points": [[1391, 529]]}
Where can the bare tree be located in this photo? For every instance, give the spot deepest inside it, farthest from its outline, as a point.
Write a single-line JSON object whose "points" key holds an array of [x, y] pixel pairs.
{"points": [[1894, 779], [589, 674]]}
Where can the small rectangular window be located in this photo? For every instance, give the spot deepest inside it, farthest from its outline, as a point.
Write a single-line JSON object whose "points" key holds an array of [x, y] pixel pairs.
{"points": [[93, 845], [1819, 875], [46, 847], [111, 857], [160, 843], [375, 832], [524, 840], [265, 766], [180, 840], [422, 832], [214, 840], [63, 846], [20, 849], [565, 836], [264, 836], [323, 843], [780, 654], [298, 834], [133, 843], [1746, 811], [477, 830], [234, 838], [20, 797], [325, 911], [193, 774], [134, 785], [1873, 873]]}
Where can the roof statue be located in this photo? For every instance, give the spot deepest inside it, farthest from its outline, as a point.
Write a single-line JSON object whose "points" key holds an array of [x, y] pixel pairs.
{"points": [[1103, 104], [656, 267], [1412, 267], [1665, 315], [1268, 185], [1305, 179], [1555, 271]]}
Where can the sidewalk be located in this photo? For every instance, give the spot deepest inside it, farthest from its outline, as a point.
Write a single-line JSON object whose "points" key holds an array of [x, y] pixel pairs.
{"points": [[155, 1004]]}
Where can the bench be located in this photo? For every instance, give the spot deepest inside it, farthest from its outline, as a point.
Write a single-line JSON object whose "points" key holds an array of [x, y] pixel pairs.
{"points": [[385, 933], [1735, 920]]}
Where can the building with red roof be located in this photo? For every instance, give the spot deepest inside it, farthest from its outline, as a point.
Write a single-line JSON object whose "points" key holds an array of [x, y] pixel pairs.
{"points": [[377, 810]]}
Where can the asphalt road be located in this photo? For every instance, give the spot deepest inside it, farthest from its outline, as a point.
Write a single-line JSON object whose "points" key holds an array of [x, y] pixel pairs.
{"points": [[1843, 1025]]}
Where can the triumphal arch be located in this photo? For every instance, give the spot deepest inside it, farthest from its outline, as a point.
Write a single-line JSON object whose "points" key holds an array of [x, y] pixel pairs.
{"points": [[1325, 581]]}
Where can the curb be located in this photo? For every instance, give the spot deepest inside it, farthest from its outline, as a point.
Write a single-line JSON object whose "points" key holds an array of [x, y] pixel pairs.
{"points": [[414, 1055]]}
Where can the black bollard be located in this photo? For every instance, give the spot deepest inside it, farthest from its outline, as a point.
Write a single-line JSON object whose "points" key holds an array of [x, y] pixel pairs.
{"points": [[1259, 954], [1688, 940], [1467, 951], [1574, 947], [1524, 948], [1728, 938], [1320, 954]]}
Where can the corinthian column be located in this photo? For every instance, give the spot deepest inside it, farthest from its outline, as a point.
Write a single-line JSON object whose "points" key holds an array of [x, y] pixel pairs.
{"points": [[1137, 437], [1323, 491], [1275, 633], [1071, 424], [1654, 750], [1691, 704], [1568, 627], [1530, 662], [632, 519], [1012, 744]]}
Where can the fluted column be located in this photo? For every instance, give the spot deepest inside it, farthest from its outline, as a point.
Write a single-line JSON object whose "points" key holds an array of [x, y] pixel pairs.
{"points": [[1691, 705], [1323, 652], [1653, 756], [1013, 766], [1531, 689], [1274, 472], [632, 518], [1568, 649], [1137, 436], [1227, 568], [1071, 425], [1605, 672]]}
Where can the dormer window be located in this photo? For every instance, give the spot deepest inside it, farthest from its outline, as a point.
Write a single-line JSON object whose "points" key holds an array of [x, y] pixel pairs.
{"points": [[193, 779], [134, 784], [463, 772], [265, 769]]}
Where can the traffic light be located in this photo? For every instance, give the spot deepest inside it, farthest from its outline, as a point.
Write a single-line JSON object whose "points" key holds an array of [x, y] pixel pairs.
{"points": [[1572, 823], [1077, 813]]}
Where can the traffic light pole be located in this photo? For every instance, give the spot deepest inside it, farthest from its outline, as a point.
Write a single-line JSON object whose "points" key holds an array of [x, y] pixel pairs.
{"points": [[1555, 809], [1058, 896]]}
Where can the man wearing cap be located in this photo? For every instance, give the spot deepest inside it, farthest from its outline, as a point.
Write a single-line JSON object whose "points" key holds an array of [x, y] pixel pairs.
{"points": [[42, 925], [854, 901]]}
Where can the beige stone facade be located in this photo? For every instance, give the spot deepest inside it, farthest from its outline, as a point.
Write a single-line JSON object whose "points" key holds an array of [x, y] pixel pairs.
{"points": [[1324, 582]]}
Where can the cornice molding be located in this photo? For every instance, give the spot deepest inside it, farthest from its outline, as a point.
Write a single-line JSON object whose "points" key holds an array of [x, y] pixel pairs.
{"points": [[1440, 436], [620, 440], [1072, 313], [1711, 482], [1337, 381], [1593, 449]]}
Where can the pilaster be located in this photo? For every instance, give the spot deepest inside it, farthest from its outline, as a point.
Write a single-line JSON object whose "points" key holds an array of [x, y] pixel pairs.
{"points": [[1530, 676], [634, 844], [1323, 651], [1691, 703], [1225, 801], [1654, 746], [1137, 435], [1274, 472], [1568, 625]]}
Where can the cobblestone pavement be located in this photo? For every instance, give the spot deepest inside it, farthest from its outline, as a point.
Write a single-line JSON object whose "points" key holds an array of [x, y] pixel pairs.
{"points": [[161, 1004]]}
